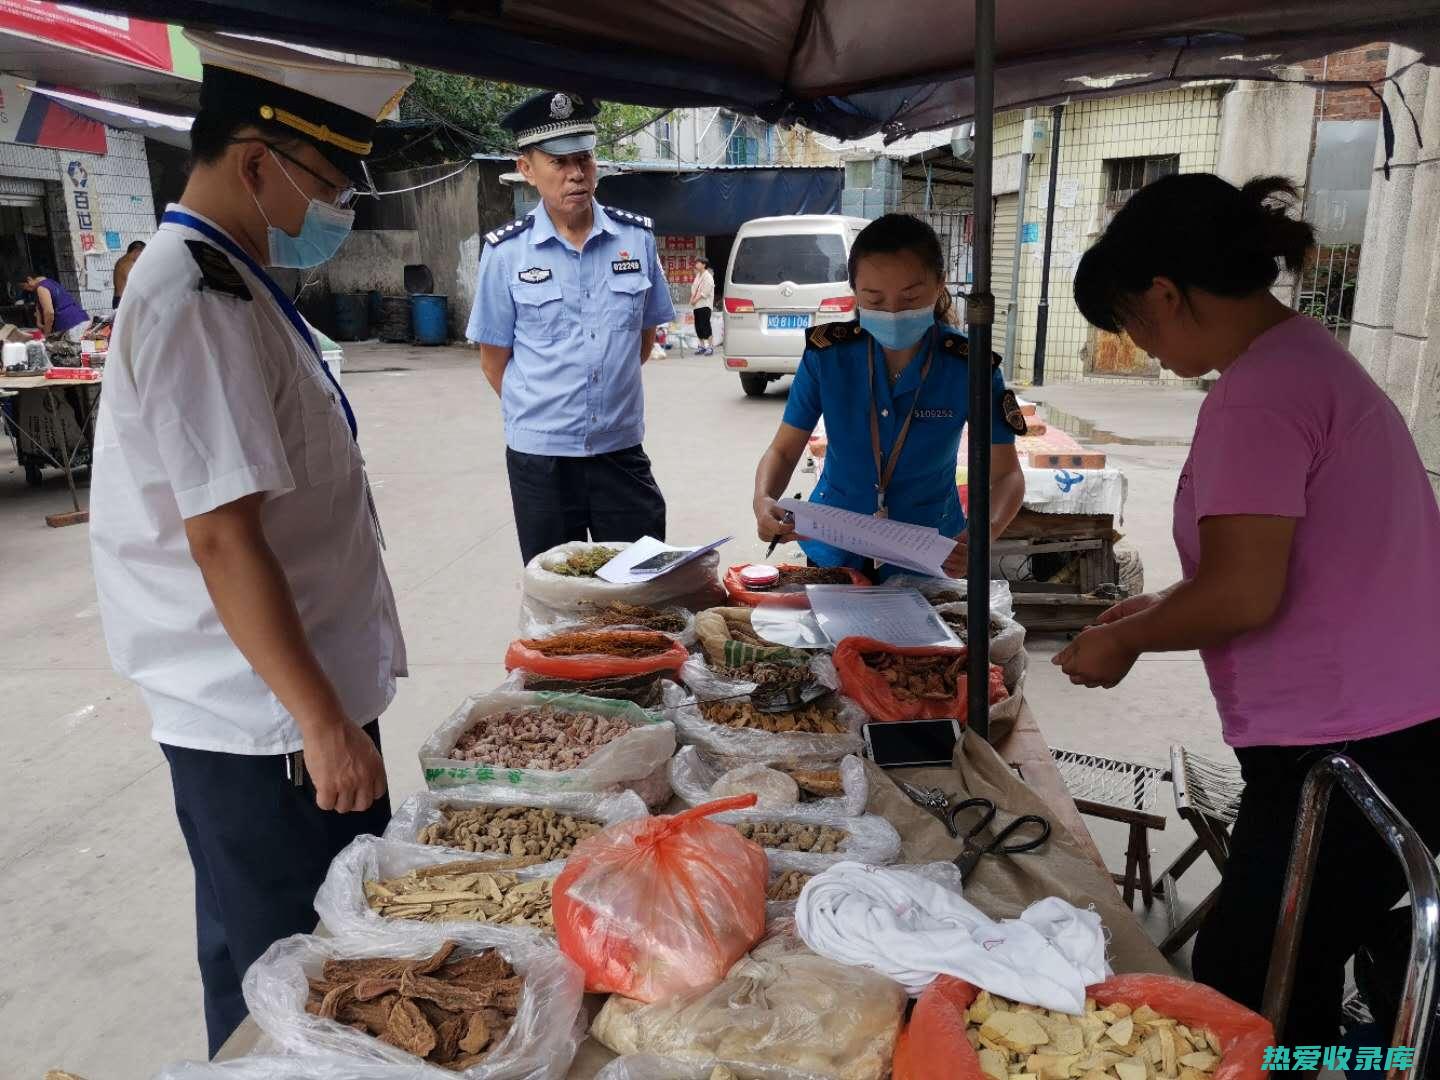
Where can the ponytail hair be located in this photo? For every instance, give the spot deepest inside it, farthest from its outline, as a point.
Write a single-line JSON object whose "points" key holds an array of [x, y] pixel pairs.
{"points": [[1199, 231], [893, 233]]}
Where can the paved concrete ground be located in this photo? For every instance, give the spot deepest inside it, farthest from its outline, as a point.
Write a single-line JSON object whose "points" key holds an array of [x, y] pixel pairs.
{"points": [[100, 977]]}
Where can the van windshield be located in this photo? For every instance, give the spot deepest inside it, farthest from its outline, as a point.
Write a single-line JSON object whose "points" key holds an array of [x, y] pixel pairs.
{"points": [[804, 258]]}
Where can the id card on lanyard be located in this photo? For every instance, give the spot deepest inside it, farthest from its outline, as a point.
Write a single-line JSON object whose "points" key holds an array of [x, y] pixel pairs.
{"points": [[292, 315], [885, 464]]}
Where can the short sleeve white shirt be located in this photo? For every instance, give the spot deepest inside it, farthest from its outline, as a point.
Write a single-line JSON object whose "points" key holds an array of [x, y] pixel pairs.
{"points": [[210, 397]]}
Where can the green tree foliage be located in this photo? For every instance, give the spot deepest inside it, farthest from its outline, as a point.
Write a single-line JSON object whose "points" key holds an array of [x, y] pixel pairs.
{"points": [[468, 112]]}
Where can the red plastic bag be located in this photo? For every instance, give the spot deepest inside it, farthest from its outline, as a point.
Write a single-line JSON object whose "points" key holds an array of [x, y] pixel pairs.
{"points": [[749, 598], [934, 1047], [868, 687], [657, 906], [523, 654]]}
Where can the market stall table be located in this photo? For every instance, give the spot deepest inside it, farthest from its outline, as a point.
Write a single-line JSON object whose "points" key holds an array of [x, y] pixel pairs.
{"points": [[59, 449]]}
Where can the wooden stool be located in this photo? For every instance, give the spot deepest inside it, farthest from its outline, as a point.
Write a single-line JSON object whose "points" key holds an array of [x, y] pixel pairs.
{"points": [[1207, 795], [1122, 791]]}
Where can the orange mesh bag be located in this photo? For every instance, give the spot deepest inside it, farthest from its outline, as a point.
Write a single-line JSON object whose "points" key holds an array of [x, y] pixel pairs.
{"points": [[636, 652], [934, 1047], [658, 906], [877, 695], [739, 594]]}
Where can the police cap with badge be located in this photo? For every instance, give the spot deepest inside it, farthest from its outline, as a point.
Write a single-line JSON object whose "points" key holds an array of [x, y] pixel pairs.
{"points": [[554, 121], [330, 103]]}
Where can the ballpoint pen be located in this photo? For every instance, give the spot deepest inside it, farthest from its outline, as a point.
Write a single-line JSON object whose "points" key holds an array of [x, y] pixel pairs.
{"points": [[776, 542]]}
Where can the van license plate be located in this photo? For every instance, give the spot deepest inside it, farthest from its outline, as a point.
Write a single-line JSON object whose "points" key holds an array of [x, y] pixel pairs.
{"points": [[787, 322]]}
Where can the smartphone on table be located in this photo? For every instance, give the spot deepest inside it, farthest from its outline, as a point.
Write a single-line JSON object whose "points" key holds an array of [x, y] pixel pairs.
{"points": [[909, 743]]}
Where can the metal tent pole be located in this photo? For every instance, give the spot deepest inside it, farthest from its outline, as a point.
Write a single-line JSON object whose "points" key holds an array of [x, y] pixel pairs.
{"points": [[1042, 315], [979, 319]]}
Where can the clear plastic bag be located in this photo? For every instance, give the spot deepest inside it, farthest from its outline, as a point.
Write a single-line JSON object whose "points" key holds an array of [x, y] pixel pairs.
{"points": [[1001, 600], [630, 758], [425, 808], [1007, 637], [341, 902], [539, 1046], [310, 1067], [654, 907], [780, 1007], [696, 585], [729, 747], [870, 838], [652, 1067], [692, 775], [717, 628]]}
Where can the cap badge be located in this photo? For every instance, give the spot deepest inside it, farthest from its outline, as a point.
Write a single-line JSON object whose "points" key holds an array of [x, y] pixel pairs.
{"points": [[561, 107]]}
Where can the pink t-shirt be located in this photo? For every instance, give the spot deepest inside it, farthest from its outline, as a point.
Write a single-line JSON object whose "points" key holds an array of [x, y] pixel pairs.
{"points": [[1297, 428]]}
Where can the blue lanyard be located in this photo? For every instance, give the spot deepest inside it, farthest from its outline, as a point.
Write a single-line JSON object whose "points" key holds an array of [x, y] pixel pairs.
{"points": [[215, 236]]}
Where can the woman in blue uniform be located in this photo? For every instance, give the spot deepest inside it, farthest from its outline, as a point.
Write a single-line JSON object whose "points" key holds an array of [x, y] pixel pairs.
{"points": [[894, 391]]}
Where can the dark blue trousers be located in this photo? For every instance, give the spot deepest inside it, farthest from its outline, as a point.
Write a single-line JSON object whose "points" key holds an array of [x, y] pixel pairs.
{"points": [[260, 848]]}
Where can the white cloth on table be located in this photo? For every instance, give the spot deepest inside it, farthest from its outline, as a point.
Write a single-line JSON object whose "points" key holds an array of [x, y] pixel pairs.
{"points": [[899, 924]]}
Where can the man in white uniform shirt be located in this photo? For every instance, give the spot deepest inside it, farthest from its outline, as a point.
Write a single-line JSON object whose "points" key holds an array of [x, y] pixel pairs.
{"points": [[236, 548]]}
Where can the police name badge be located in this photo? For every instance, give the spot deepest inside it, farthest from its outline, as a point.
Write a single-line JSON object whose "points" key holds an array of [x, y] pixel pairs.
{"points": [[535, 274], [625, 266]]}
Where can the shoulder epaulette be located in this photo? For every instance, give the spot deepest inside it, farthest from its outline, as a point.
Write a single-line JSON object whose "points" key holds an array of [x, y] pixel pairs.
{"points": [[217, 272], [832, 333], [955, 343], [505, 232], [629, 218]]}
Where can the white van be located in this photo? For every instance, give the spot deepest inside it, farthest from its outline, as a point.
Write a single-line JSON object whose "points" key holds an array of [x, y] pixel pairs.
{"points": [[785, 275]]}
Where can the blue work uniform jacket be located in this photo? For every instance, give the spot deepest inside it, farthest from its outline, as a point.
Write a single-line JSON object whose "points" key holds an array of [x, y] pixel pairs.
{"points": [[831, 383], [573, 321]]}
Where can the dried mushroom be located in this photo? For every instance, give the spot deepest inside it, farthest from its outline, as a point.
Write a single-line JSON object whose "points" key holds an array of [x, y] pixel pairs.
{"points": [[519, 831], [814, 719], [794, 836], [463, 891], [449, 1011], [911, 678], [1112, 1042], [543, 737]]}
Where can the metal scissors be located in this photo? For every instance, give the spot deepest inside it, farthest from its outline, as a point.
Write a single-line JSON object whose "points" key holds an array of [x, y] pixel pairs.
{"points": [[972, 851]]}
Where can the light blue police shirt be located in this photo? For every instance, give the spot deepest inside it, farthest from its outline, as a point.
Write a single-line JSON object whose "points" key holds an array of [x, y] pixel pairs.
{"points": [[573, 320], [831, 382]]}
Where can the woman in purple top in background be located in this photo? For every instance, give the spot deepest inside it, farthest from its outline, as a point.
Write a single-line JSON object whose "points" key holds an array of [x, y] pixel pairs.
{"points": [[1307, 530], [56, 311]]}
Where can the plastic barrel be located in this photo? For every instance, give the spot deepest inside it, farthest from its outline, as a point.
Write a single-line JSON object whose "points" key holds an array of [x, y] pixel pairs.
{"points": [[394, 324], [429, 311], [352, 316]]}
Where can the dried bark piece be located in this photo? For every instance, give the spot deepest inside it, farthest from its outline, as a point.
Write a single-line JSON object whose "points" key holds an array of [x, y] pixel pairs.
{"points": [[331, 1002], [477, 1034], [372, 1015], [369, 989], [477, 971], [438, 960], [446, 994], [354, 970], [461, 1064], [448, 1034], [409, 1030]]}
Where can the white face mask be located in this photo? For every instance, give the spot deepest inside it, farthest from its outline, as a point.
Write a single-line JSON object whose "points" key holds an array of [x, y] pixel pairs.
{"points": [[321, 233]]}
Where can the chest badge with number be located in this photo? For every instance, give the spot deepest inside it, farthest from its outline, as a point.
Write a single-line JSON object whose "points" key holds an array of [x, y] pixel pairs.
{"points": [[625, 266], [535, 274]]}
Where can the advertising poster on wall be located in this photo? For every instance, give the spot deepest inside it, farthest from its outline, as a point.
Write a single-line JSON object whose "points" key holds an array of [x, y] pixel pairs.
{"points": [[82, 204]]}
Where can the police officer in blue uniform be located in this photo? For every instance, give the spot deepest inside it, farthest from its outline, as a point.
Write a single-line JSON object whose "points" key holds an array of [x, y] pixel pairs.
{"points": [[893, 388], [566, 307]]}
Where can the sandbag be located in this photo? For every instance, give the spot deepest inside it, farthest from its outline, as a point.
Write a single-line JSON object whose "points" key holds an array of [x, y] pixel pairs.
{"points": [[424, 808], [694, 586], [631, 758], [540, 622], [869, 837]]}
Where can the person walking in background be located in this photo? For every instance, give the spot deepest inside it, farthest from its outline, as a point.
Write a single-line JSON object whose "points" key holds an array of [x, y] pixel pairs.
{"points": [[123, 266], [56, 311], [702, 299], [236, 548], [566, 306], [1307, 530]]}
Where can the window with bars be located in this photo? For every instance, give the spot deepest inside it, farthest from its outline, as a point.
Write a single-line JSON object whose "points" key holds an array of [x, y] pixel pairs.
{"points": [[1125, 176]]}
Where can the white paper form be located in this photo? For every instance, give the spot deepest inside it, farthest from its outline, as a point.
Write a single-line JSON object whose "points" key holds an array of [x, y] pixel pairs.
{"points": [[648, 558], [914, 547], [895, 616]]}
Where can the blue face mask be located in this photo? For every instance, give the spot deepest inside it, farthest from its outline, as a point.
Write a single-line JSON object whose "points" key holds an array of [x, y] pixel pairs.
{"points": [[897, 329], [321, 233]]}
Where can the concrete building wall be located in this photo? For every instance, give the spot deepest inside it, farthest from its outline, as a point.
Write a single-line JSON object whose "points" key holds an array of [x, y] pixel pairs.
{"points": [[122, 180], [447, 221], [1396, 330], [1185, 123]]}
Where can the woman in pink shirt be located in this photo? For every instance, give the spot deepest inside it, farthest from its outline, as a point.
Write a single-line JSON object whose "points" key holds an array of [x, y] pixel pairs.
{"points": [[1308, 534]]}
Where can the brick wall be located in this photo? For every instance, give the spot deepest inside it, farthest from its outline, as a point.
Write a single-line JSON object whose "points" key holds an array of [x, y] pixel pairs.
{"points": [[1366, 64], [122, 179]]}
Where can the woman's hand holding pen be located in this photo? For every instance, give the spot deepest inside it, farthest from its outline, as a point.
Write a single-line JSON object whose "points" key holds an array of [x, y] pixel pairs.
{"points": [[773, 522]]}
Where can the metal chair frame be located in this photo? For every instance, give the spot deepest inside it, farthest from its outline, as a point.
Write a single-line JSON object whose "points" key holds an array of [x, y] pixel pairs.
{"points": [[1212, 838], [1415, 1018]]}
